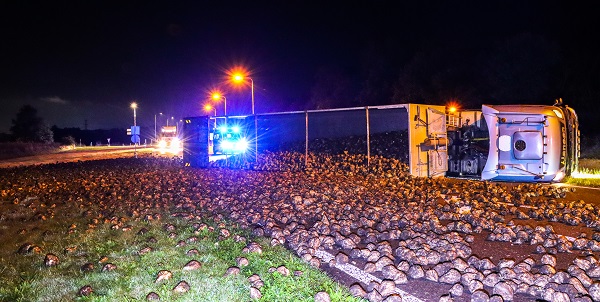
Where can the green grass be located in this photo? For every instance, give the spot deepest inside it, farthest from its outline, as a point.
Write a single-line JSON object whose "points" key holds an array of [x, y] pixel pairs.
{"points": [[589, 173], [24, 278]]}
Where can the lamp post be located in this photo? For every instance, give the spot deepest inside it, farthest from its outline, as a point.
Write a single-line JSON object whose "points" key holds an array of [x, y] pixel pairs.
{"points": [[155, 134], [208, 108], [217, 96], [238, 78], [252, 88], [134, 107]]}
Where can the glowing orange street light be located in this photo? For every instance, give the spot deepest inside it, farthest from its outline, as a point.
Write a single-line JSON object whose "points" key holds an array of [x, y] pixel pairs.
{"points": [[208, 108], [238, 77], [218, 96], [133, 135]]}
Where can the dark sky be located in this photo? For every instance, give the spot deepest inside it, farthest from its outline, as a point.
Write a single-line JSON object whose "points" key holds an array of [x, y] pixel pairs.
{"points": [[78, 61]]}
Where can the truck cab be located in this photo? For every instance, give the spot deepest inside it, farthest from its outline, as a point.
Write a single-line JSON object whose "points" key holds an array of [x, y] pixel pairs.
{"points": [[525, 143], [169, 141]]}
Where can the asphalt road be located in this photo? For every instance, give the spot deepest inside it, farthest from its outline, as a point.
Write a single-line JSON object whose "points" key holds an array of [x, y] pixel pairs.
{"points": [[77, 154]]}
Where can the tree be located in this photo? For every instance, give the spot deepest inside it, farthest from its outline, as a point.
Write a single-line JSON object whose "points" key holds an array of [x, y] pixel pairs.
{"points": [[520, 69], [375, 88], [68, 141], [438, 76], [29, 127], [332, 88]]}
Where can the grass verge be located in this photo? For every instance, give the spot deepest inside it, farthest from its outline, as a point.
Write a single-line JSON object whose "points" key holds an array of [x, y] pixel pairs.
{"points": [[25, 278], [588, 174]]}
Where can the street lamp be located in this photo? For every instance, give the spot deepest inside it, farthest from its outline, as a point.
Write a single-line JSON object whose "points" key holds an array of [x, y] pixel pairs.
{"points": [[168, 120], [134, 107], [218, 96], [208, 108], [155, 134], [239, 78]]}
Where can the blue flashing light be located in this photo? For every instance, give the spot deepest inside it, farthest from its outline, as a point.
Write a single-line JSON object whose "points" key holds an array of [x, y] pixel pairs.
{"points": [[223, 129], [235, 129], [242, 145], [227, 145], [237, 146]]}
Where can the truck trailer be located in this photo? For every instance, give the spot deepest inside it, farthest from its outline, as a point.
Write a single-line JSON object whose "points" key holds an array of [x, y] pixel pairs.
{"points": [[524, 143]]}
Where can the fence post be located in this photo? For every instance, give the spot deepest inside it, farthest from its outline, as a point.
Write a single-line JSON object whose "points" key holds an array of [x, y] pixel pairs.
{"points": [[306, 139], [368, 137], [255, 139]]}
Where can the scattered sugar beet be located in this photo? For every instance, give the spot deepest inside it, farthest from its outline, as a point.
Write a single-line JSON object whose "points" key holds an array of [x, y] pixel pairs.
{"points": [[378, 216]]}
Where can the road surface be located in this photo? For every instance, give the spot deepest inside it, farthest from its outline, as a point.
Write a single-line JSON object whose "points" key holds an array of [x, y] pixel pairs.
{"points": [[77, 154]]}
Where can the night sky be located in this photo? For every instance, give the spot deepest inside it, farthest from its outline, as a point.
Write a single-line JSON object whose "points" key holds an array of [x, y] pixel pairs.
{"points": [[81, 62]]}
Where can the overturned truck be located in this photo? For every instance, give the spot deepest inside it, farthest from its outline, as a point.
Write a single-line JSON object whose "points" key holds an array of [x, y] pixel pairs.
{"points": [[525, 143]]}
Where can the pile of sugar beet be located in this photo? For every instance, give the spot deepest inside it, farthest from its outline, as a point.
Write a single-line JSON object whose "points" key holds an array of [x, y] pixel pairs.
{"points": [[378, 217]]}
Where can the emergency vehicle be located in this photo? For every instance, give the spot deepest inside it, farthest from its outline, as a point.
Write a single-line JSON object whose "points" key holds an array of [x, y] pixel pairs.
{"points": [[228, 140]]}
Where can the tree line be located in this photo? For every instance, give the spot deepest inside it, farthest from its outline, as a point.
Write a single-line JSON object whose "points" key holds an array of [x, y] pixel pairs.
{"points": [[29, 127], [526, 68]]}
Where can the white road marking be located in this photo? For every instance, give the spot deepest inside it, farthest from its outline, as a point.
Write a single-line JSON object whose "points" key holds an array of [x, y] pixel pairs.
{"points": [[361, 275], [574, 186]]}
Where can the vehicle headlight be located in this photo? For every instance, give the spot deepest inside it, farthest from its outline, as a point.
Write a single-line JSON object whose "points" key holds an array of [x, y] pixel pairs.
{"points": [[175, 143], [162, 144]]}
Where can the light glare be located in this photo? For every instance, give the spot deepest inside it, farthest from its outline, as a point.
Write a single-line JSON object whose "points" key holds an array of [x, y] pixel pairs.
{"points": [[585, 175]]}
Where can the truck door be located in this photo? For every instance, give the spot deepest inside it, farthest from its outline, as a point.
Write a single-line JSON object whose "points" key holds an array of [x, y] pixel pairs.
{"points": [[428, 155]]}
